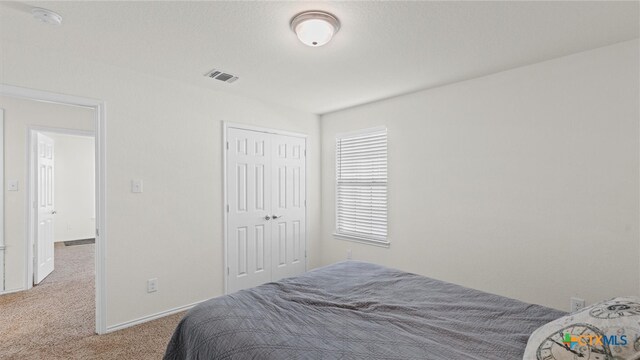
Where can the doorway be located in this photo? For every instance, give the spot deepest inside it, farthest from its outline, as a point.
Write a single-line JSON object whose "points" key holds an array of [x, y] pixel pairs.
{"points": [[62, 188], [265, 212], [98, 121]]}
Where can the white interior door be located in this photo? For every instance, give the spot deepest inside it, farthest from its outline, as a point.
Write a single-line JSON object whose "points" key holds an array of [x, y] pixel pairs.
{"points": [[249, 205], [288, 227], [46, 210], [266, 217]]}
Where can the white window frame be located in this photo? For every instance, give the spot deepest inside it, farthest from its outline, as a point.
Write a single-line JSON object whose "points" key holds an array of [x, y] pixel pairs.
{"points": [[370, 240]]}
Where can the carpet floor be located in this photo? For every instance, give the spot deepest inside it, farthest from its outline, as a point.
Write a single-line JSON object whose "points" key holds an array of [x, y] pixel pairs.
{"points": [[56, 319]]}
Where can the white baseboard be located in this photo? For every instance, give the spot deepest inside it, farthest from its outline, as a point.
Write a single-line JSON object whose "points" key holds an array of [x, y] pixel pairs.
{"points": [[11, 291], [155, 316]]}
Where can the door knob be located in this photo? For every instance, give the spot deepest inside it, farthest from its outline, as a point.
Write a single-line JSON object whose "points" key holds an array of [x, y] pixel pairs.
{"points": [[277, 216], [267, 217], [54, 212]]}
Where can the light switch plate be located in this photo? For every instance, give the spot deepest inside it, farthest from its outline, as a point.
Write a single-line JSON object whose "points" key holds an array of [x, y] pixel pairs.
{"points": [[136, 186], [12, 185]]}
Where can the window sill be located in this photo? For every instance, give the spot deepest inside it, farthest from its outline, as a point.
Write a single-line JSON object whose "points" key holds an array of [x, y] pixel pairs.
{"points": [[362, 240]]}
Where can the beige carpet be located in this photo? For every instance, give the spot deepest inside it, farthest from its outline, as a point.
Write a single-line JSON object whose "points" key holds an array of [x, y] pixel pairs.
{"points": [[56, 319]]}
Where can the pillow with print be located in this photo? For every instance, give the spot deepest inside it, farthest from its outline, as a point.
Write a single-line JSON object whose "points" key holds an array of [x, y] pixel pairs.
{"points": [[609, 330]]}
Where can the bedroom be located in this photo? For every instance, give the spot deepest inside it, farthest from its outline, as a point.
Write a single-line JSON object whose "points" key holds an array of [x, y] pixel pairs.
{"points": [[513, 147]]}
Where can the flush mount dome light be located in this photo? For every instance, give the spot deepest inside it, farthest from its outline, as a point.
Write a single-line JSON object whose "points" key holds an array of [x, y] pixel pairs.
{"points": [[315, 28], [46, 16]]}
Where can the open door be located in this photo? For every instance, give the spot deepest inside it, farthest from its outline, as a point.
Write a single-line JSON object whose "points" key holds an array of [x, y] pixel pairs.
{"points": [[44, 239]]}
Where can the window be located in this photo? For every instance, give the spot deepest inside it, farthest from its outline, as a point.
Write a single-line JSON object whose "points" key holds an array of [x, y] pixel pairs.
{"points": [[361, 186]]}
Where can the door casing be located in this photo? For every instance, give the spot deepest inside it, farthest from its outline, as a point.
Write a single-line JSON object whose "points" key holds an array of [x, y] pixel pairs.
{"points": [[1, 201], [225, 126], [100, 126]]}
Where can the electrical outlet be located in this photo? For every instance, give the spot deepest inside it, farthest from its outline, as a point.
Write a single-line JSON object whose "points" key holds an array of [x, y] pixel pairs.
{"points": [[577, 304], [152, 285], [12, 185], [349, 257], [136, 186]]}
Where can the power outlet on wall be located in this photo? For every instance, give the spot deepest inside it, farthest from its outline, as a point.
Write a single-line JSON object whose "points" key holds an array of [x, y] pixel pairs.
{"points": [[577, 304], [152, 285], [136, 186], [12, 185]]}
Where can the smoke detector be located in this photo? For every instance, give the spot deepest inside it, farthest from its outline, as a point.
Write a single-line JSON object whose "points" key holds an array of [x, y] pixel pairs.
{"points": [[221, 75], [46, 16]]}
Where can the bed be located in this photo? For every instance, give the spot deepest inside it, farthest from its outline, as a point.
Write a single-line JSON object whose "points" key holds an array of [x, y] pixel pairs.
{"points": [[358, 310]]}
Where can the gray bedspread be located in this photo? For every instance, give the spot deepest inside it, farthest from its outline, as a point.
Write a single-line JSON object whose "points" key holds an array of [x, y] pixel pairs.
{"points": [[357, 310]]}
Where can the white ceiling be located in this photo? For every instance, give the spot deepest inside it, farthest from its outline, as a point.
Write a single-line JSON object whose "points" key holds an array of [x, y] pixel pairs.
{"points": [[383, 48]]}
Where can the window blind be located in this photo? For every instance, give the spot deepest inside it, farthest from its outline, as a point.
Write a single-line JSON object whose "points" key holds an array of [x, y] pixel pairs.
{"points": [[361, 185]]}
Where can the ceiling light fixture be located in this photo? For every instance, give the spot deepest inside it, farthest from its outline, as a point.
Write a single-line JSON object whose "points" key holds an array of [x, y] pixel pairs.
{"points": [[315, 28], [46, 16]]}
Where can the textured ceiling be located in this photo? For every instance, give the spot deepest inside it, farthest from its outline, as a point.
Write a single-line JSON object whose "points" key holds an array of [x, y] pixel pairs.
{"points": [[383, 48]]}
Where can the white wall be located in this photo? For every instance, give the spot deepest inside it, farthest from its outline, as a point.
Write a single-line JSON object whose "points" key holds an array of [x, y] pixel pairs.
{"points": [[522, 183], [74, 187], [169, 135], [19, 115]]}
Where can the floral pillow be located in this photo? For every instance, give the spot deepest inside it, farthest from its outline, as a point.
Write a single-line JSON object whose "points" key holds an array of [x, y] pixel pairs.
{"points": [[609, 330]]}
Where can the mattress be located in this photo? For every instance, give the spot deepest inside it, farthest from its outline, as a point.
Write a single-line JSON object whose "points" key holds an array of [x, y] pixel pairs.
{"points": [[358, 310]]}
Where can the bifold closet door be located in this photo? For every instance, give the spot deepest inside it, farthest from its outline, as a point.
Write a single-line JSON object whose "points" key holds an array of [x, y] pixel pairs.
{"points": [[249, 201]]}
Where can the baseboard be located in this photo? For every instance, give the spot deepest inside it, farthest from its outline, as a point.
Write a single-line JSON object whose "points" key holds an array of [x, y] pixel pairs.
{"points": [[147, 318], [11, 291]]}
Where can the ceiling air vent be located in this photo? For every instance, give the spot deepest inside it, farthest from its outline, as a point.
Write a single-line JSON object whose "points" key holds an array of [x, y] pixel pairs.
{"points": [[222, 76]]}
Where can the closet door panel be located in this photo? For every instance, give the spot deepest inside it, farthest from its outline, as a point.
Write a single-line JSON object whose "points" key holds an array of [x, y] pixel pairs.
{"points": [[249, 199], [289, 206]]}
